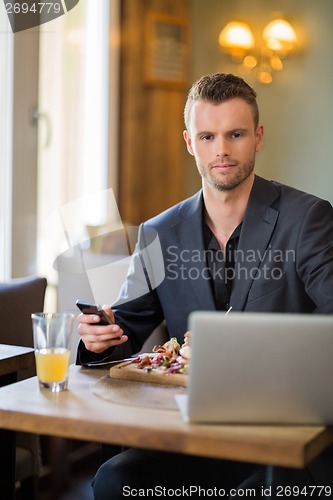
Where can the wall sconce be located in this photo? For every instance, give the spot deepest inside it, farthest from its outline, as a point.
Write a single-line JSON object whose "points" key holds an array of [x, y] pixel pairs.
{"points": [[279, 40]]}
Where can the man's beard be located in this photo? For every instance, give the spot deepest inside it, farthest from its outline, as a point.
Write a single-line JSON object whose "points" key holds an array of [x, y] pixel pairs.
{"points": [[225, 183]]}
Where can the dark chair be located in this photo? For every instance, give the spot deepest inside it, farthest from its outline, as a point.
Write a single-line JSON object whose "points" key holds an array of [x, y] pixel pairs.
{"points": [[19, 298]]}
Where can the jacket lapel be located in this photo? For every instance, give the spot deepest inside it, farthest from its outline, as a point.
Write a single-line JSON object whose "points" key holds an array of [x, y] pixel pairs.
{"points": [[189, 237], [257, 228]]}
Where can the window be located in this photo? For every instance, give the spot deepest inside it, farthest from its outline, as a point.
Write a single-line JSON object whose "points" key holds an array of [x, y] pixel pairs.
{"points": [[78, 124], [6, 86], [77, 114]]}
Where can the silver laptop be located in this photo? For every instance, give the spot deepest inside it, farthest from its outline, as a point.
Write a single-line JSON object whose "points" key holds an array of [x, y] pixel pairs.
{"points": [[260, 368]]}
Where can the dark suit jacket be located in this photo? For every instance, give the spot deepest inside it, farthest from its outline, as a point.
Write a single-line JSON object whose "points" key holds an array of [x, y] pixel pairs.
{"points": [[284, 263]]}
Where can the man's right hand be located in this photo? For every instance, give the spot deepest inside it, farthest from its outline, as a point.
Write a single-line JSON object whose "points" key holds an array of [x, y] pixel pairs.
{"points": [[98, 338]]}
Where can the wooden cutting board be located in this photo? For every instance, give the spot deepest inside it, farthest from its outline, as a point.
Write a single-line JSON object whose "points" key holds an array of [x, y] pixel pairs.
{"points": [[130, 371]]}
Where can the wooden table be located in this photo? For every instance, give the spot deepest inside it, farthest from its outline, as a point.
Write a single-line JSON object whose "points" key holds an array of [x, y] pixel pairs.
{"points": [[79, 414], [12, 360]]}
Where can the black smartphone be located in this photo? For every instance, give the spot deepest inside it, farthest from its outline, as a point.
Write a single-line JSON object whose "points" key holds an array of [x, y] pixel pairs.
{"points": [[88, 308]]}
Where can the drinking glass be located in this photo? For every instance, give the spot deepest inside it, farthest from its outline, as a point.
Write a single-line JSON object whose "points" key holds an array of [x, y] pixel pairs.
{"points": [[52, 341]]}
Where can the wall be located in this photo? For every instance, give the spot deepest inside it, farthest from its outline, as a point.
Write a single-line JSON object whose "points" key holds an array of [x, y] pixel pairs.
{"points": [[297, 108]]}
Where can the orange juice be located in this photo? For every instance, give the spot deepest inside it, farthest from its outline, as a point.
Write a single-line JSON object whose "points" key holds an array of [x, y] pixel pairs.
{"points": [[52, 364]]}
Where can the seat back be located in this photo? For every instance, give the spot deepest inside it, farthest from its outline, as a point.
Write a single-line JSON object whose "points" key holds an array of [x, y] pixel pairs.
{"points": [[19, 298]]}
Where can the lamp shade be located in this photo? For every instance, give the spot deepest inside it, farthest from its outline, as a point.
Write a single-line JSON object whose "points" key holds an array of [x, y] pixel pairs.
{"points": [[237, 38], [280, 36]]}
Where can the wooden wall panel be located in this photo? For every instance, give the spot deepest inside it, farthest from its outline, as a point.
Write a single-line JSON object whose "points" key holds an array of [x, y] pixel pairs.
{"points": [[152, 150]]}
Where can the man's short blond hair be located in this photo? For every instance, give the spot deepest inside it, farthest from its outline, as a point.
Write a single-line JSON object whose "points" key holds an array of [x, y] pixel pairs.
{"points": [[221, 87]]}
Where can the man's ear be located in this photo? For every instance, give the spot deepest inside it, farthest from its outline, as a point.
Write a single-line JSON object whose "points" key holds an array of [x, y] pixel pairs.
{"points": [[188, 141], [259, 138]]}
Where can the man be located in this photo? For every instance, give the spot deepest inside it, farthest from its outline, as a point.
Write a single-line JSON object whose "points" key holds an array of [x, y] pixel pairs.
{"points": [[241, 241]]}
